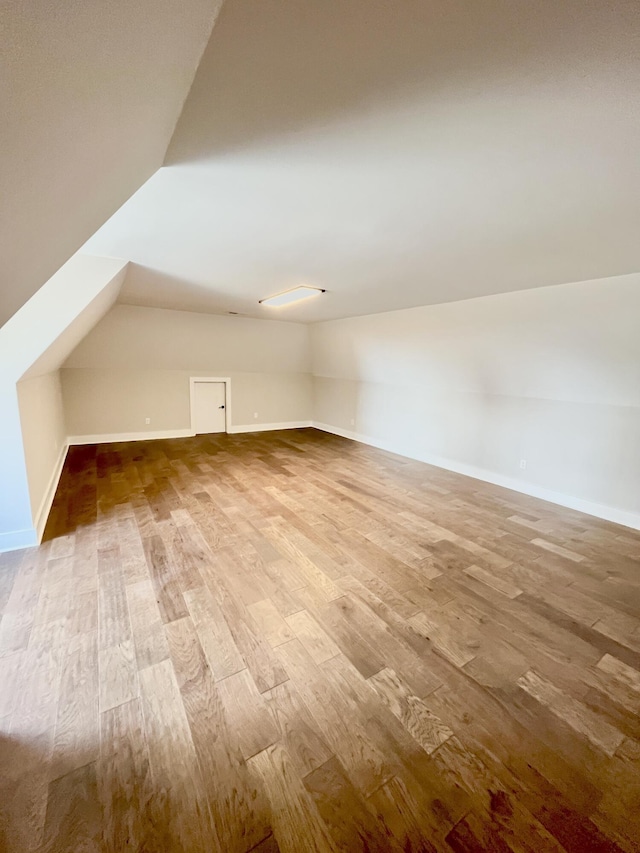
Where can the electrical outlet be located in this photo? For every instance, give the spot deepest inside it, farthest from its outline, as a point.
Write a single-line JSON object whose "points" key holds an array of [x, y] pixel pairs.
{"points": [[353, 423], [523, 464], [147, 420], [255, 414]]}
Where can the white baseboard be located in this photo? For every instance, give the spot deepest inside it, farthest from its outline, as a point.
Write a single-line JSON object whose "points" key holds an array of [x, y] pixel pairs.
{"points": [[110, 438], [607, 513], [268, 427], [42, 514]]}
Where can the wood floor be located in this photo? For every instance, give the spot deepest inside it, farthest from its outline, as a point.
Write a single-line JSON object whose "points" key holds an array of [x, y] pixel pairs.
{"points": [[289, 641]]}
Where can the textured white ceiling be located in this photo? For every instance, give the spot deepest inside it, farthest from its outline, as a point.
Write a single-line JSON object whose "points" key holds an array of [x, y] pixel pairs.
{"points": [[396, 154], [90, 93]]}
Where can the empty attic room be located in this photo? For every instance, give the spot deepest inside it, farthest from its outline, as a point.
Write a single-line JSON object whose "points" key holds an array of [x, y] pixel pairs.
{"points": [[319, 426]]}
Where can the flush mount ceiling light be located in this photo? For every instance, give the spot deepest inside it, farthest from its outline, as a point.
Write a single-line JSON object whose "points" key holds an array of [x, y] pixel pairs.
{"points": [[294, 295]]}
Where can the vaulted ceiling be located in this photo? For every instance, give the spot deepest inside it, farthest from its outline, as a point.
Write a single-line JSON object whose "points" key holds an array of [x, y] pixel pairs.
{"points": [[396, 154], [90, 93]]}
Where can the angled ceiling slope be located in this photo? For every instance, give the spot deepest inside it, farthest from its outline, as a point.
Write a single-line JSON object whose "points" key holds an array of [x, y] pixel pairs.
{"points": [[89, 99], [396, 154]]}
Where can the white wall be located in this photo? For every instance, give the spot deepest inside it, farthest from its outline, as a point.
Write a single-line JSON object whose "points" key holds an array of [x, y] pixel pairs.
{"points": [[131, 336], [136, 363], [117, 402], [551, 376], [44, 437], [33, 343]]}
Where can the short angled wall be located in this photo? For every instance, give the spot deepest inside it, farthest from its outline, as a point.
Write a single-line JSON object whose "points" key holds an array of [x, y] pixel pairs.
{"points": [[44, 509], [44, 441], [33, 344]]}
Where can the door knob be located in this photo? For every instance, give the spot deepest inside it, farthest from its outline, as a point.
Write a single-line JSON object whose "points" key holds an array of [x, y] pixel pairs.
{"points": [[221, 407]]}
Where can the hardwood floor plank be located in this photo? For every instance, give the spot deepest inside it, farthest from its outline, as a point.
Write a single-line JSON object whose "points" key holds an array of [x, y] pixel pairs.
{"points": [[290, 641], [619, 670], [500, 584], [77, 728], [74, 816], [10, 674], [125, 785], [351, 824], [331, 616], [149, 638], [25, 749], [246, 707], [297, 728], [237, 802], [118, 675], [213, 632], [113, 611], [179, 805], [422, 725], [296, 822], [269, 621], [168, 595], [256, 652], [337, 717], [393, 804], [598, 731], [317, 642]]}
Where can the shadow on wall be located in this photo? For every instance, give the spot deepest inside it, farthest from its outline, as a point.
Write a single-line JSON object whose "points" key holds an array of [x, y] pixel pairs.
{"points": [[273, 68]]}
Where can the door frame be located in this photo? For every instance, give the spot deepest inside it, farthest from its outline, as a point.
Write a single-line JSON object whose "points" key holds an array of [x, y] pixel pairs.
{"points": [[227, 398]]}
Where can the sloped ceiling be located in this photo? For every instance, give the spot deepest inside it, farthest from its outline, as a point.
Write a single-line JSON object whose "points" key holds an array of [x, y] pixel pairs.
{"points": [[396, 154], [90, 93], [39, 336]]}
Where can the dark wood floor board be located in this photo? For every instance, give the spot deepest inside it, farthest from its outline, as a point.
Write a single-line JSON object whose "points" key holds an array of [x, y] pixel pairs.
{"points": [[124, 768], [290, 641], [149, 638], [180, 805], [340, 720], [77, 728], [297, 728], [254, 648], [297, 825], [167, 588], [350, 821], [236, 798]]}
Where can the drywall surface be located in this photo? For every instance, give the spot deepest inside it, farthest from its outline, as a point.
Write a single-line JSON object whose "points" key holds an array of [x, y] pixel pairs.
{"points": [[117, 402], [135, 337], [549, 377], [136, 364], [90, 96], [33, 343], [398, 154], [44, 435], [16, 522]]}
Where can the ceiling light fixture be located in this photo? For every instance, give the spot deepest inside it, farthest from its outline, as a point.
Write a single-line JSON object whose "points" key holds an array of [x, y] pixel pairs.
{"points": [[294, 295]]}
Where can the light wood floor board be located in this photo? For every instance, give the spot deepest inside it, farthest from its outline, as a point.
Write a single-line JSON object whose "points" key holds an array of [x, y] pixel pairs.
{"points": [[288, 641]]}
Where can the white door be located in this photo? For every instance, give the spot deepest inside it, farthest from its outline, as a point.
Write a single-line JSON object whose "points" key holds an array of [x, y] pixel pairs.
{"points": [[209, 413]]}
